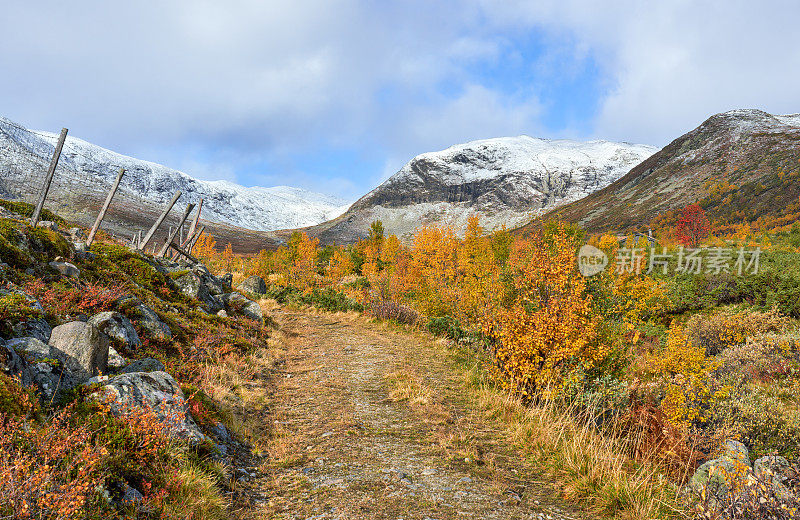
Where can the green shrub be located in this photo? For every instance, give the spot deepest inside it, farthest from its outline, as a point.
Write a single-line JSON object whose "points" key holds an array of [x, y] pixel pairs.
{"points": [[446, 326], [762, 421], [715, 332], [328, 299]]}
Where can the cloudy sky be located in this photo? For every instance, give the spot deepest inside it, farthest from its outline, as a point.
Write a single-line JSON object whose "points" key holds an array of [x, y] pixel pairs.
{"points": [[334, 96]]}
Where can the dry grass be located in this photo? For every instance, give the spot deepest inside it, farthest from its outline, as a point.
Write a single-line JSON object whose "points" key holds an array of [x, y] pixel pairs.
{"points": [[197, 492], [405, 384], [587, 465]]}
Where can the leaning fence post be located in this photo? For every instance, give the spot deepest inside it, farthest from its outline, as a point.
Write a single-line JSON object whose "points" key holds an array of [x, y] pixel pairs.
{"points": [[158, 222], [192, 228], [49, 178], [102, 214], [171, 237], [195, 238]]}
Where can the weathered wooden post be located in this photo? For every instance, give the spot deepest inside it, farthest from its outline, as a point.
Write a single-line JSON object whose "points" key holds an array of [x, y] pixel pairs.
{"points": [[192, 228], [171, 237], [37, 211], [160, 220], [195, 238], [102, 214]]}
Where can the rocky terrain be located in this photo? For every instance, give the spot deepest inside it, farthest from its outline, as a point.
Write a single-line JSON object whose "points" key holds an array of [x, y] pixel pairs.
{"points": [[744, 162], [102, 332], [506, 181]]}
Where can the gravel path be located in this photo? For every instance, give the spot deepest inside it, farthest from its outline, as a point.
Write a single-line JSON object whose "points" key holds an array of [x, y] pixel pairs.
{"points": [[342, 448]]}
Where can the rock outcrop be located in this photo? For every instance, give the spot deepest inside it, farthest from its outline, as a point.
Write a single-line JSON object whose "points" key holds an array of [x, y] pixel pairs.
{"points": [[253, 284], [82, 348], [155, 392]]}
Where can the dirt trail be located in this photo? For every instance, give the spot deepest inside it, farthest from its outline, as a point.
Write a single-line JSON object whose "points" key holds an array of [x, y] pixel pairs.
{"points": [[373, 422]]}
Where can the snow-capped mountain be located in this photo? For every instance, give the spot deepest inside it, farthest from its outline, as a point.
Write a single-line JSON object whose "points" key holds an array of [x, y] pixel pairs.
{"points": [[754, 152], [85, 167], [503, 180]]}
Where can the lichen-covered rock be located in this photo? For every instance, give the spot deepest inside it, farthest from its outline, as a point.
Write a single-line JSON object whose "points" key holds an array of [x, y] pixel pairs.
{"points": [[31, 327], [83, 348], [117, 327], [38, 328], [37, 363], [253, 284], [151, 323], [227, 281], [199, 287], [143, 365], [66, 269], [156, 392], [236, 303], [115, 360], [774, 469], [719, 476], [735, 450]]}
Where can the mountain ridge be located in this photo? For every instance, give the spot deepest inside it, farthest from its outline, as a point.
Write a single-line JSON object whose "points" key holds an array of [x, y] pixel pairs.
{"points": [[742, 151], [506, 180], [256, 208]]}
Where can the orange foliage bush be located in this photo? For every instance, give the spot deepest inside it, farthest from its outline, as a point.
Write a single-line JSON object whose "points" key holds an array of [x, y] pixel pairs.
{"points": [[549, 329]]}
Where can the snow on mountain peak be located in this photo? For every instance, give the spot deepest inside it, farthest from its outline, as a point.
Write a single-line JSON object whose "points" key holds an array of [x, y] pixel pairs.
{"points": [[256, 208]]}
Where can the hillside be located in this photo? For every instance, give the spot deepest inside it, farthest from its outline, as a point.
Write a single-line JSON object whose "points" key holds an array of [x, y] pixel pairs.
{"points": [[741, 165], [504, 180], [86, 171]]}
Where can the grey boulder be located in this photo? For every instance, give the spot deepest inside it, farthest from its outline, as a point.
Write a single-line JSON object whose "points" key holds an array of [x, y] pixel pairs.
{"points": [[35, 327], [115, 360], [82, 348], [236, 303], [36, 363], [774, 469], [117, 327], [151, 323], [66, 269], [194, 286], [253, 284], [157, 392], [143, 365]]}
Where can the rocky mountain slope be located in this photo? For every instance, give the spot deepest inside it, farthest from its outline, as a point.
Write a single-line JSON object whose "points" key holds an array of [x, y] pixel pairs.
{"points": [[504, 180], [86, 171], [742, 165]]}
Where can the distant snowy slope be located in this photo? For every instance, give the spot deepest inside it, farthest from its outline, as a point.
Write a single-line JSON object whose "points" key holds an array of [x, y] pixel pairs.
{"points": [[280, 207], [504, 180]]}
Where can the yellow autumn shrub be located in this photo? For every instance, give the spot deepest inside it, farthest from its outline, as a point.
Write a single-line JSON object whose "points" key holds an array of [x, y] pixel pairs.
{"points": [[549, 329], [691, 388]]}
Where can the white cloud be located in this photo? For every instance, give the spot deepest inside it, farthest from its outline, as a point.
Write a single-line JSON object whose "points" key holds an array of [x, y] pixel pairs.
{"points": [[249, 80], [672, 64]]}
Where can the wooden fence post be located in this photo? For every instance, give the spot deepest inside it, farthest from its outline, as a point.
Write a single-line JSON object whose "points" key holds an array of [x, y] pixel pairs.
{"points": [[192, 228], [49, 178], [102, 214], [195, 238], [158, 222], [171, 237]]}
